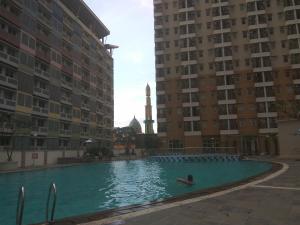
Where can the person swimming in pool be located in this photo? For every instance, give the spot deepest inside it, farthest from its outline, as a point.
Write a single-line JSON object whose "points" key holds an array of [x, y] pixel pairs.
{"points": [[188, 181]]}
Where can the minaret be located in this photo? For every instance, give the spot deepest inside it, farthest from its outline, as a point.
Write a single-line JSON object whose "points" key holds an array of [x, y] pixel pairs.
{"points": [[148, 113]]}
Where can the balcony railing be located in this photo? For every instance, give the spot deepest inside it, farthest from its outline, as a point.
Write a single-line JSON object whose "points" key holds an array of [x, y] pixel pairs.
{"points": [[6, 127], [66, 132], [85, 119], [41, 73], [7, 103], [42, 92], [67, 100], [84, 134], [85, 106], [40, 110], [43, 36], [10, 16], [40, 130], [9, 58], [67, 69], [66, 84], [10, 38], [43, 55], [85, 92], [67, 116], [8, 81]]}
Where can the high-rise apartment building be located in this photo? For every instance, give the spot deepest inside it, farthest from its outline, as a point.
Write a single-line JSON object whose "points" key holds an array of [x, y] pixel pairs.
{"points": [[226, 72], [56, 76]]}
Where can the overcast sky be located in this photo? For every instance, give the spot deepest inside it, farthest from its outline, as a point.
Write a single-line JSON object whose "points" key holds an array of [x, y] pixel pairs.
{"points": [[131, 28]]}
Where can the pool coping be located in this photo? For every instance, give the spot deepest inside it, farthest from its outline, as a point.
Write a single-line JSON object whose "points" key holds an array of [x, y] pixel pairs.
{"points": [[103, 217], [57, 166]]}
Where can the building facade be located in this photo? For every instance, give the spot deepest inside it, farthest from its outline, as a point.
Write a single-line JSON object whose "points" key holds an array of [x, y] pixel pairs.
{"points": [[226, 71], [56, 77]]}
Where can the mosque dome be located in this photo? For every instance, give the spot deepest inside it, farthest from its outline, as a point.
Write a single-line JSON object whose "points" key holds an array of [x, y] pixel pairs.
{"points": [[135, 124]]}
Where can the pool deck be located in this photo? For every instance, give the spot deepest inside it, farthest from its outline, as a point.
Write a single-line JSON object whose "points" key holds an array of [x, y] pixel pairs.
{"points": [[272, 202]]}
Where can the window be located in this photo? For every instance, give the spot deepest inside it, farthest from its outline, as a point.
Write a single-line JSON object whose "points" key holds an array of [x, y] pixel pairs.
{"points": [[187, 126], [28, 41], [27, 60], [55, 56], [24, 100]]}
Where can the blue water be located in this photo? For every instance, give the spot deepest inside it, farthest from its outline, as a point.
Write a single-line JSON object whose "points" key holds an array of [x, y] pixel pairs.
{"points": [[95, 187]]}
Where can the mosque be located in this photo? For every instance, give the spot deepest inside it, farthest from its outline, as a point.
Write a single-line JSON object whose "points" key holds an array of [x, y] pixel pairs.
{"points": [[127, 137]]}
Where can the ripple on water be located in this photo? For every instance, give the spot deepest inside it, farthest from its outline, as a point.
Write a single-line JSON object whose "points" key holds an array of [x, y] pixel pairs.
{"points": [[90, 188]]}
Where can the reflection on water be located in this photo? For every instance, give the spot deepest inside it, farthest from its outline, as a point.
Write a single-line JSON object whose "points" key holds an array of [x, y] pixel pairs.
{"points": [[132, 183], [94, 187]]}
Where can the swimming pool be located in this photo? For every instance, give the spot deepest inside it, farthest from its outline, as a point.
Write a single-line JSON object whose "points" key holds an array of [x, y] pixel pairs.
{"points": [[95, 187]]}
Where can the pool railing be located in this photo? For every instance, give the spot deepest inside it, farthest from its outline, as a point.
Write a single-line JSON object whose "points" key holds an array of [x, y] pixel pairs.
{"points": [[196, 158], [192, 151]]}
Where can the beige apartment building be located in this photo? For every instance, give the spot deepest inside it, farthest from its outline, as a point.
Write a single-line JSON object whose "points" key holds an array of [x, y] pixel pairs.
{"points": [[226, 72]]}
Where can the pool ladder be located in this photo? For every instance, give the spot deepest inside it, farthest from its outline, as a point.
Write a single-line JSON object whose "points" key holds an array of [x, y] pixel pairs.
{"points": [[20, 206], [52, 189], [21, 201]]}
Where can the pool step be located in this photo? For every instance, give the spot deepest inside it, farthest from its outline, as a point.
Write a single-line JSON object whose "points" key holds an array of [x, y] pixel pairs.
{"points": [[196, 158]]}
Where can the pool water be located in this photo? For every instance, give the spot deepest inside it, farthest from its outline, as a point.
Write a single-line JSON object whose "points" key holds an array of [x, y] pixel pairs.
{"points": [[94, 187]]}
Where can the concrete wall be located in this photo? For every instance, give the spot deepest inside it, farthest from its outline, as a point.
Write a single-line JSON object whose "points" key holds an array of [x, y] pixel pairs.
{"points": [[289, 139], [16, 157], [39, 158]]}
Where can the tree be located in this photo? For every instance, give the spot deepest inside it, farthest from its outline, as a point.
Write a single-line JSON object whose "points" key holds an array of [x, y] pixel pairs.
{"points": [[5, 123], [95, 150]]}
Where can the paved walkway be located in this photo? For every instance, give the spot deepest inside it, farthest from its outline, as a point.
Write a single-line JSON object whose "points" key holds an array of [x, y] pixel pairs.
{"points": [[274, 202]]}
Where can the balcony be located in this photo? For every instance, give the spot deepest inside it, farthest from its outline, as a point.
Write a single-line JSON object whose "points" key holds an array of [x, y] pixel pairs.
{"points": [[40, 130], [85, 120], [85, 63], [44, 20], [67, 37], [43, 36], [85, 106], [66, 116], [229, 132], [187, 9], [65, 132], [41, 92], [66, 84], [6, 127], [9, 104], [41, 73], [68, 22], [9, 59], [67, 69], [85, 92], [99, 111], [47, 4], [10, 38], [84, 134], [43, 55], [66, 100], [40, 110], [67, 52], [10, 16], [8, 81]]}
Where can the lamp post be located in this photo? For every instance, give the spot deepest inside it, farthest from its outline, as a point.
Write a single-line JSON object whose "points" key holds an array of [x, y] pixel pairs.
{"points": [[34, 148]]}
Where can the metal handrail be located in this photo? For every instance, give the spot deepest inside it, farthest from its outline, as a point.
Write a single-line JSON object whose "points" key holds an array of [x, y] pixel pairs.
{"points": [[52, 188], [20, 206]]}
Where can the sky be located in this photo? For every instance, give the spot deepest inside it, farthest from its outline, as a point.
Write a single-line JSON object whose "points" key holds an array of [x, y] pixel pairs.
{"points": [[132, 29]]}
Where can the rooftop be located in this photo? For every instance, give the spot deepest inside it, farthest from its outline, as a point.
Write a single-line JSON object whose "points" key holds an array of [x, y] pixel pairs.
{"points": [[87, 17]]}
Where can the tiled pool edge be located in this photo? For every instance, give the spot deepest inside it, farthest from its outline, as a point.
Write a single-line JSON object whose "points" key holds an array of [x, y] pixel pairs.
{"points": [[107, 216]]}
